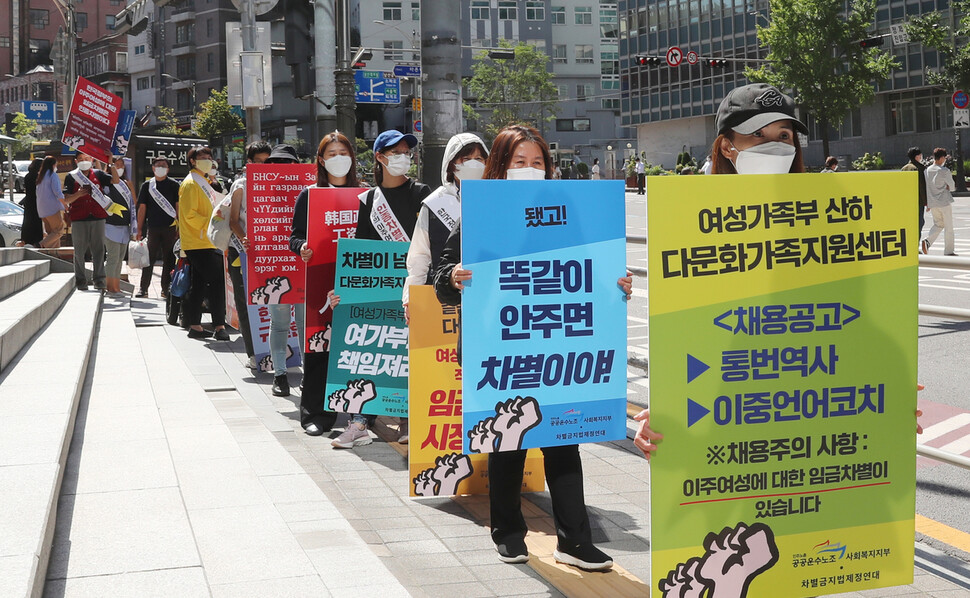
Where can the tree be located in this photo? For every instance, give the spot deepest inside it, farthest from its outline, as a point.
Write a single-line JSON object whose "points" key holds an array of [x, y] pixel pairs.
{"points": [[512, 91], [168, 123], [215, 117], [22, 129], [814, 49], [954, 72]]}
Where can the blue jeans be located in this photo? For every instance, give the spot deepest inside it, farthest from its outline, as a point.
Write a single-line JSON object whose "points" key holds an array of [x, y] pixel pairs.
{"points": [[279, 332]]}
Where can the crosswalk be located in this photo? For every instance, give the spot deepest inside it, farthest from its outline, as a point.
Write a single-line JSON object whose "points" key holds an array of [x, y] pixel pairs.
{"points": [[951, 434]]}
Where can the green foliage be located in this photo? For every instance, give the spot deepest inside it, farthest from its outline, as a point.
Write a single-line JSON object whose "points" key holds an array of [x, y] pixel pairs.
{"points": [[215, 117], [651, 170], [631, 166], [506, 92], [685, 160], [583, 169], [167, 121], [869, 162], [813, 50], [933, 31], [365, 162], [22, 130]]}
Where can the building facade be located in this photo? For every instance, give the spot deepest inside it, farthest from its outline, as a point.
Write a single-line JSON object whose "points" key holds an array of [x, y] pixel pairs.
{"points": [[673, 108]]}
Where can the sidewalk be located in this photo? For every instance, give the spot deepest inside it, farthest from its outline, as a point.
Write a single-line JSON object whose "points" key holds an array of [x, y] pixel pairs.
{"points": [[190, 479]]}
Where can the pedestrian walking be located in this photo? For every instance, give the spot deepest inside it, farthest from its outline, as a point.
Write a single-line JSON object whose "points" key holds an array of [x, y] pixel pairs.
{"points": [[32, 232], [831, 165], [641, 176], [88, 211], [596, 169], [118, 227], [939, 200], [158, 222], [916, 163]]}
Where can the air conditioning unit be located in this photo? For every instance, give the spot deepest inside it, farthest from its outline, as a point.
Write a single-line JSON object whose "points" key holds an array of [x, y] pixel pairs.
{"points": [[553, 146]]}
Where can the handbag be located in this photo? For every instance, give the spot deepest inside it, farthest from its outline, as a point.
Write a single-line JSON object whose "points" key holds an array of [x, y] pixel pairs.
{"points": [[180, 279], [138, 254]]}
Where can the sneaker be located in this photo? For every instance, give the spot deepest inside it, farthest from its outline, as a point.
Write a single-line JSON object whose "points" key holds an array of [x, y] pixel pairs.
{"points": [[952, 254], [584, 556], [141, 294], [355, 435], [193, 333], [251, 363], [117, 294], [512, 550], [924, 246], [221, 335], [82, 286], [281, 386]]}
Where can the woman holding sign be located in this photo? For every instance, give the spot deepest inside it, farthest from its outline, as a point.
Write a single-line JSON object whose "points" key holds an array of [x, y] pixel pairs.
{"points": [[336, 167], [520, 153], [118, 227]]}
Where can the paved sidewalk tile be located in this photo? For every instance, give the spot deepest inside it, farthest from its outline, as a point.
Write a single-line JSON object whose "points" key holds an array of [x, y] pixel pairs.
{"points": [[186, 582]]}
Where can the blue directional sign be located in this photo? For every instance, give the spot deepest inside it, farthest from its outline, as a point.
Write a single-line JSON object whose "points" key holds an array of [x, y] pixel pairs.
{"points": [[376, 87], [405, 70], [44, 113]]}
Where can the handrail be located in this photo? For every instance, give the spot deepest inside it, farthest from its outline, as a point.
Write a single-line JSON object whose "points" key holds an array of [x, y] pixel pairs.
{"points": [[938, 455]]}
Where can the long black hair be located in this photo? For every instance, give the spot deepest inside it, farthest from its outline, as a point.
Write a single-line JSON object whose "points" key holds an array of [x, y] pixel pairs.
{"points": [[49, 165]]}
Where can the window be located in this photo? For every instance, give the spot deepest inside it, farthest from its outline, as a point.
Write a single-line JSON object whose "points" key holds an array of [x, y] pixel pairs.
{"points": [[583, 91], [109, 21], [538, 44], [211, 62], [4, 41], [609, 59], [479, 9], [208, 27], [584, 54], [535, 10], [184, 33], [185, 67], [415, 11], [563, 92], [507, 10], [115, 2], [558, 14], [392, 11], [559, 54], [572, 124], [393, 45], [39, 18], [609, 24], [121, 62], [183, 101], [142, 83], [610, 103], [82, 21], [139, 49], [584, 15], [914, 112]]}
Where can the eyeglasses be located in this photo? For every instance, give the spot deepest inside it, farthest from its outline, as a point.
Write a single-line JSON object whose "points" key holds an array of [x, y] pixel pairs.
{"points": [[407, 153]]}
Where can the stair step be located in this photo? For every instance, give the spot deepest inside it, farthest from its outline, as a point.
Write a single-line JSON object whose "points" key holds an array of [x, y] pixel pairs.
{"points": [[23, 314], [18, 276], [10, 255]]}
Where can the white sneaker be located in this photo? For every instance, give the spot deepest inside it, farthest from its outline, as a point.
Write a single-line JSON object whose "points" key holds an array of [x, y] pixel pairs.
{"points": [[251, 363], [355, 435]]}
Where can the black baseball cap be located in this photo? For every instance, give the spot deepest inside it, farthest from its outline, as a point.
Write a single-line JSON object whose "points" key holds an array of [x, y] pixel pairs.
{"points": [[284, 152], [748, 108]]}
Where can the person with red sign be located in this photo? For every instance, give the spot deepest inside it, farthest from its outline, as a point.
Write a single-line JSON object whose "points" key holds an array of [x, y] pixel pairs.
{"points": [[336, 167], [89, 188], [118, 227], [196, 198]]}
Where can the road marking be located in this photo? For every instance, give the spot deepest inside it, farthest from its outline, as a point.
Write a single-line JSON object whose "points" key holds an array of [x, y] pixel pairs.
{"points": [[944, 427], [943, 533], [958, 447], [636, 319], [940, 286]]}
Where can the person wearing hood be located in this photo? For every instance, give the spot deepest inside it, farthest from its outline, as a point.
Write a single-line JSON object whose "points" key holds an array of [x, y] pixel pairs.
{"points": [[87, 190], [916, 163]]}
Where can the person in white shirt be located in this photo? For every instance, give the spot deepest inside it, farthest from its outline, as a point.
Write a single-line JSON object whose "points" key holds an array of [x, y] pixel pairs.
{"points": [[641, 176], [596, 169], [939, 202]]}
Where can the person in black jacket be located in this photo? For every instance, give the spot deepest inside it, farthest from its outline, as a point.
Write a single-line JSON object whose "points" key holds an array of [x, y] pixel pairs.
{"points": [[522, 149], [33, 229], [916, 163]]}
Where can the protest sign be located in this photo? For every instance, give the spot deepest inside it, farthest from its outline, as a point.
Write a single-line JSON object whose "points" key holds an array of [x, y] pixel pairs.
{"points": [[435, 459], [545, 353], [331, 216], [122, 135], [275, 274], [92, 120], [259, 327], [368, 367], [783, 312]]}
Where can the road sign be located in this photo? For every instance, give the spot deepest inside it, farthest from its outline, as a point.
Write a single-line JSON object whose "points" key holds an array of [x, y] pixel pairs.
{"points": [[692, 57], [960, 99], [961, 118], [376, 87], [44, 113], [674, 56], [404, 70], [417, 126], [899, 35]]}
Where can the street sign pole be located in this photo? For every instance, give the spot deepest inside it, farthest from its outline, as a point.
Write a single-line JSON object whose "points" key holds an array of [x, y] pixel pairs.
{"points": [[247, 13], [960, 101]]}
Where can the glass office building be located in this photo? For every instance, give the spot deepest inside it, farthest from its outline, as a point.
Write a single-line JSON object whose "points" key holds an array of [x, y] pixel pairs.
{"points": [[673, 107]]}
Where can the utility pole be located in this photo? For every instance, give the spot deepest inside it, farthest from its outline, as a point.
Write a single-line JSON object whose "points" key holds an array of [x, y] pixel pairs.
{"points": [[346, 104], [324, 63], [247, 13], [960, 181], [441, 72]]}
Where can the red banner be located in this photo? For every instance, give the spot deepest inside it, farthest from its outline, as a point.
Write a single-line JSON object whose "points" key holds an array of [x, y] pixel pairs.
{"points": [[92, 120], [332, 215], [275, 274]]}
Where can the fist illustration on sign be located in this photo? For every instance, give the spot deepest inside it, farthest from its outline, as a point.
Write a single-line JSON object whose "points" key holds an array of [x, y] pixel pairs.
{"points": [[352, 398], [481, 438], [74, 141], [506, 431], [449, 471], [735, 557], [271, 292], [682, 582], [320, 341]]}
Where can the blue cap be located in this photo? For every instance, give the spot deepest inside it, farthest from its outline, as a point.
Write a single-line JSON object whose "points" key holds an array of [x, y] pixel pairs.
{"points": [[391, 138]]}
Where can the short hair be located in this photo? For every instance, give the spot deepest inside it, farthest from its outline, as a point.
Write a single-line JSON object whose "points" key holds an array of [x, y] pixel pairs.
{"points": [[913, 152], [160, 159], [831, 161], [939, 153], [257, 147], [197, 149]]}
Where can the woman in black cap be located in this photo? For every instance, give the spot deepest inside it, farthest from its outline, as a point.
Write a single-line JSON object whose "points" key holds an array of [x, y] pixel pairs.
{"points": [[756, 128]]}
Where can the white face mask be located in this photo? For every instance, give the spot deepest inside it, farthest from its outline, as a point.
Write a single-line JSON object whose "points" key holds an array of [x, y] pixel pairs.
{"points": [[120, 171], [213, 172], [471, 170], [161, 172], [203, 165], [338, 166], [774, 157], [84, 165], [398, 165], [525, 174]]}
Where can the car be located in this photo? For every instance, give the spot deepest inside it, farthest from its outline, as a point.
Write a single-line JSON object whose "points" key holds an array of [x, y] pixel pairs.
{"points": [[11, 223], [20, 171]]}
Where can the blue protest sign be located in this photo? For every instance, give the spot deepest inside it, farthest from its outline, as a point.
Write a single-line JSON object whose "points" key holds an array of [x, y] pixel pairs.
{"points": [[544, 322], [43, 113], [126, 122]]}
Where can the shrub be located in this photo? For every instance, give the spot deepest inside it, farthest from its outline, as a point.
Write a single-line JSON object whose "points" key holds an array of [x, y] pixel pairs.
{"points": [[869, 162]]}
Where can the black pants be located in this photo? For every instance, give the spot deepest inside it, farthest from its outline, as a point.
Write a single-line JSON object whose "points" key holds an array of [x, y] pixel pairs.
{"points": [[239, 298], [313, 399], [161, 244], [922, 221], [564, 475], [209, 283], [641, 180]]}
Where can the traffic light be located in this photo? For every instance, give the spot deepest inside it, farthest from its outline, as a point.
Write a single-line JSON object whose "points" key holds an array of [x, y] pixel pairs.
{"points": [[872, 42], [298, 23], [648, 60], [717, 63]]}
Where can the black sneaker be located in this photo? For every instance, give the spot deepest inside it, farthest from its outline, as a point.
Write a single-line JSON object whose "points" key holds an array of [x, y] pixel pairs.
{"points": [[281, 386], [512, 550], [82, 286], [193, 333], [141, 294], [221, 335], [584, 556]]}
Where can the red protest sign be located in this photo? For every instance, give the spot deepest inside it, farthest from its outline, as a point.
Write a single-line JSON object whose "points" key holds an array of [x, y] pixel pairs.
{"points": [[92, 120], [332, 215], [274, 273]]}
